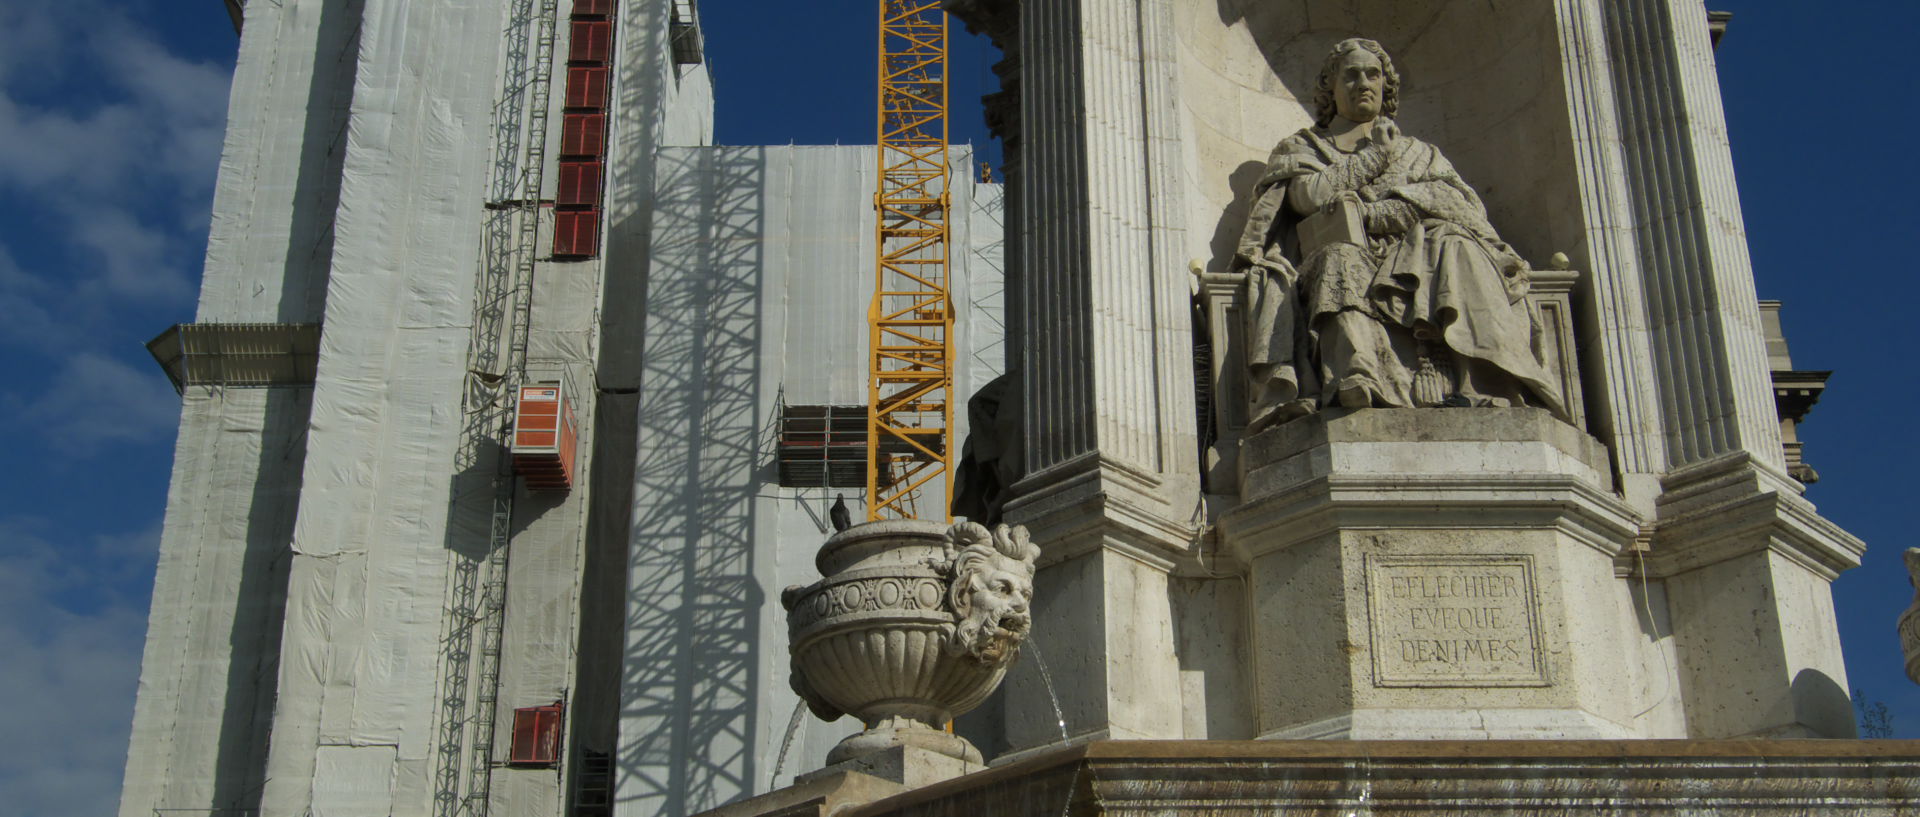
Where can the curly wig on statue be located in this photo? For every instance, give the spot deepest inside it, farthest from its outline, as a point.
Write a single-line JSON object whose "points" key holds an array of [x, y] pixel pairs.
{"points": [[1324, 109]]}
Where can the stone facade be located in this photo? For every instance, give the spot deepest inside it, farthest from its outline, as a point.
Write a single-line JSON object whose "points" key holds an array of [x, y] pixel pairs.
{"points": [[1659, 573]]}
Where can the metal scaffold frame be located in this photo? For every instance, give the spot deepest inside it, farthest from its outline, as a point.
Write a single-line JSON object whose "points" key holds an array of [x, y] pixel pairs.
{"points": [[503, 310], [910, 321]]}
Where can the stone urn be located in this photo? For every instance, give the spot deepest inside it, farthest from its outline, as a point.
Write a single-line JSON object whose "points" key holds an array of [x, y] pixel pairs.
{"points": [[1910, 620], [912, 624]]}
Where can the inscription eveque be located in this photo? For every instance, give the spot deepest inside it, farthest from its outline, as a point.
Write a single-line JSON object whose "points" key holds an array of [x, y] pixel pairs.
{"points": [[1454, 621]]}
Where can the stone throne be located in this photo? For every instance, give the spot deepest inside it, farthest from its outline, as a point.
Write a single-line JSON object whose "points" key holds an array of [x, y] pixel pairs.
{"points": [[1642, 567]]}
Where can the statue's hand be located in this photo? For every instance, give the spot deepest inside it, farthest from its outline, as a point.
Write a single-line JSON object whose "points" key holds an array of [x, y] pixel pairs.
{"points": [[1347, 197], [1389, 218]]}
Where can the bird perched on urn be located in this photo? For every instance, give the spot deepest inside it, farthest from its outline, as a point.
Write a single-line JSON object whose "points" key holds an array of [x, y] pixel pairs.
{"points": [[838, 514]]}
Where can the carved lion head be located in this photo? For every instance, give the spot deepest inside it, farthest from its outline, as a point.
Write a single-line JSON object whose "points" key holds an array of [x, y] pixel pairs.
{"points": [[990, 590]]}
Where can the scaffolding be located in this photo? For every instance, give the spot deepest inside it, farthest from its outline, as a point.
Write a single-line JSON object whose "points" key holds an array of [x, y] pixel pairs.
{"points": [[503, 306], [910, 321]]}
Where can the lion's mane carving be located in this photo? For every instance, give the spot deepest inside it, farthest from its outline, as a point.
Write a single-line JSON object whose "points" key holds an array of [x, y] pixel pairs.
{"points": [[990, 588]]}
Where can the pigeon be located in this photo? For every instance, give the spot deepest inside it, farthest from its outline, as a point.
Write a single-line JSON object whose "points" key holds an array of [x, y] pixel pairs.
{"points": [[841, 518]]}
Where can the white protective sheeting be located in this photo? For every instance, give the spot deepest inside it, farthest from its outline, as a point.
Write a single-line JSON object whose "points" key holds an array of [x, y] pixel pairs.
{"points": [[358, 145], [207, 673], [353, 781], [207, 676], [655, 103], [368, 582], [540, 635], [761, 272], [270, 241]]}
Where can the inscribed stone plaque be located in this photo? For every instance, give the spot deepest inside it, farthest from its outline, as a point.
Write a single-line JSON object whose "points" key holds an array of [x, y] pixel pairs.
{"points": [[1454, 621]]}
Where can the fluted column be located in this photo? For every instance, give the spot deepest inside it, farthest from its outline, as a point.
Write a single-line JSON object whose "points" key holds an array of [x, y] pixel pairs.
{"points": [[1709, 352], [1111, 457], [1615, 349], [1108, 346], [1744, 560]]}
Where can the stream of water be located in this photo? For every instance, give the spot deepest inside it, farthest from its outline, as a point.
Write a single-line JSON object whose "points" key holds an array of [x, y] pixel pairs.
{"points": [[793, 725], [1046, 677]]}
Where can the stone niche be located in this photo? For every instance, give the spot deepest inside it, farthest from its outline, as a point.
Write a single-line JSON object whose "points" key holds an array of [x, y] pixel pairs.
{"points": [[1424, 573], [1483, 81], [1439, 574]]}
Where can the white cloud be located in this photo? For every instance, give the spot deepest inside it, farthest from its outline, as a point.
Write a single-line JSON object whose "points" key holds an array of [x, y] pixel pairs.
{"points": [[128, 174], [96, 399], [132, 257], [26, 316], [28, 38], [72, 643]]}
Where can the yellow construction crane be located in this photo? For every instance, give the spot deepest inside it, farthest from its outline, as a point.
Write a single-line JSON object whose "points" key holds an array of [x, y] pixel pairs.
{"points": [[910, 323]]}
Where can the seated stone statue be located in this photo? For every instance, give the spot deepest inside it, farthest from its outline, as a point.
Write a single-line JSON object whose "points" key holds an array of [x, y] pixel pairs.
{"points": [[1374, 278]]}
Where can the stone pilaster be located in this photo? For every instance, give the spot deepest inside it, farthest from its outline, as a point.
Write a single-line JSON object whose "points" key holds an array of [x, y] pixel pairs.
{"points": [[1745, 560], [1100, 301], [1747, 566], [1614, 347], [1709, 351]]}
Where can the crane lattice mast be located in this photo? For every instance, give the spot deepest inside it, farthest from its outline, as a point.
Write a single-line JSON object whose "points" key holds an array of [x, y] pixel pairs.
{"points": [[910, 323]]}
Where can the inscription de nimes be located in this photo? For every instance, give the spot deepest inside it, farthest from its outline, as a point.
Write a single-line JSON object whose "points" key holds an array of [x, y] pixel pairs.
{"points": [[1454, 620]]}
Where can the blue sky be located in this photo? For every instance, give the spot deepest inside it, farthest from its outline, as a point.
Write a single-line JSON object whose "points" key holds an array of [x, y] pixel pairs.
{"points": [[111, 117]]}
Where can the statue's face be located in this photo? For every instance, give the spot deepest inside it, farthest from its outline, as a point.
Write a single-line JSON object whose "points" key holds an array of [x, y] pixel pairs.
{"points": [[1359, 86]]}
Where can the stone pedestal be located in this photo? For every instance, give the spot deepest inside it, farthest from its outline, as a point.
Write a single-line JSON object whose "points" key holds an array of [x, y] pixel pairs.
{"points": [[909, 766], [1436, 574], [830, 792], [1424, 778], [1103, 615], [1748, 568]]}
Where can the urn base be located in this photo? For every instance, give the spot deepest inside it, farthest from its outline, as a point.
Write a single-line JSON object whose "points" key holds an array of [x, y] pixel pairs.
{"points": [[889, 735]]}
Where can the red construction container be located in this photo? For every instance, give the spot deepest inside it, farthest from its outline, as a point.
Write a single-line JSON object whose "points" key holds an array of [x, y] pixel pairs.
{"points": [[536, 736], [576, 233], [544, 437]]}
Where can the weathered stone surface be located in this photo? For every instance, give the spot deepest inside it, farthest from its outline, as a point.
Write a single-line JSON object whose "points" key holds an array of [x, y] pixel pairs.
{"points": [[1672, 585], [1441, 574], [831, 792], [909, 766], [1381, 778], [1453, 620]]}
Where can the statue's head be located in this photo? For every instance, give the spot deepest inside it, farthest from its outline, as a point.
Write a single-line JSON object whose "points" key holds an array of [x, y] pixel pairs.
{"points": [[991, 590], [1357, 82]]}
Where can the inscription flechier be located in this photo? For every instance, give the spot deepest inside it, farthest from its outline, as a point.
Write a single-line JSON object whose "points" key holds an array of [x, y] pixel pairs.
{"points": [[1454, 621]]}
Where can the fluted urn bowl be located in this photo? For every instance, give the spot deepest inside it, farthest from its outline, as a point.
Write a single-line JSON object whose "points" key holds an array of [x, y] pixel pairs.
{"points": [[870, 639]]}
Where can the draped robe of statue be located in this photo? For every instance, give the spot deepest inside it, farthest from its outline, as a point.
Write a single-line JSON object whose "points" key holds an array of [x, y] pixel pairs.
{"points": [[1432, 311]]}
